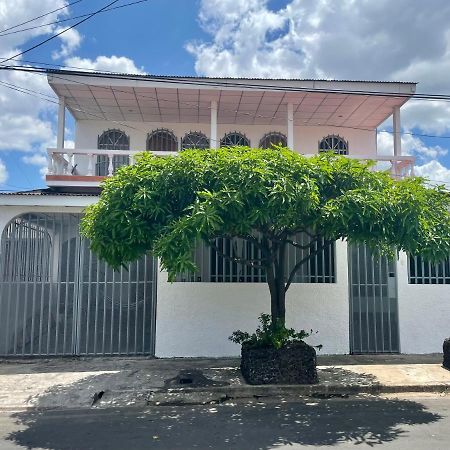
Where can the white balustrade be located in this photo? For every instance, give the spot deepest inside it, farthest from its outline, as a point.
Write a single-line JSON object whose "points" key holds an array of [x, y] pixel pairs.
{"points": [[82, 162]]}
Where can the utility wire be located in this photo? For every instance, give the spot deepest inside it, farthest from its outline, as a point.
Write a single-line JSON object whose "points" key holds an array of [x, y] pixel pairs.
{"points": [[68, 19], [60, 33], [237, 112], [53, 100], [38, 17]]}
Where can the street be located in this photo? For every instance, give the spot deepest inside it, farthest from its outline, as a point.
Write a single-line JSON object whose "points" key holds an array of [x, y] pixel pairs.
{"points": [[413, 421]]}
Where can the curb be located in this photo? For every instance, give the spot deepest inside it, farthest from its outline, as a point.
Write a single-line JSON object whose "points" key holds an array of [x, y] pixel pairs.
{"points": [[224, 394]]}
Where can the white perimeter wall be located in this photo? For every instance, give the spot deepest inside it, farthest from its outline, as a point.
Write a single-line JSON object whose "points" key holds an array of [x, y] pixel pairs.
{"points": [[195, 319], [424, 313]]}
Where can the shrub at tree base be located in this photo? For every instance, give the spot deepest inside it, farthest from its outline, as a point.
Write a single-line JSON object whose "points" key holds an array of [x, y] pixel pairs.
{"points": [[295, 363], [446, 347]]}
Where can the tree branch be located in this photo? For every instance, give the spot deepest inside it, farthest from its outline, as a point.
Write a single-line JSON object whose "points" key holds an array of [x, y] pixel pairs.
{"points": [[303, 260], [244, 261]]}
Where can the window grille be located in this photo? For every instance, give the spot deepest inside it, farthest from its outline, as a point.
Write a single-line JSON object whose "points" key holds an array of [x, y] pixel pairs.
{"points": [[195, 139], [162, 140], [111, 140], [273, 138], [213, 267], [335, 144], [233, 139], [424, 272]]}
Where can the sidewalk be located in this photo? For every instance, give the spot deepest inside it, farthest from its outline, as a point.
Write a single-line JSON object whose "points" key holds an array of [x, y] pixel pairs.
{"points": [[114, 382]]}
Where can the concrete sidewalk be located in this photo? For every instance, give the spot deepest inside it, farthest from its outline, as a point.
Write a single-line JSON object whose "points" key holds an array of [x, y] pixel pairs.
{"points": [[107, 382]]}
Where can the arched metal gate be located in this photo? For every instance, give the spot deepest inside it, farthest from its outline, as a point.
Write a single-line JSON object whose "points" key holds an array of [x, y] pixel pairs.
{"points": [[57, 298]]}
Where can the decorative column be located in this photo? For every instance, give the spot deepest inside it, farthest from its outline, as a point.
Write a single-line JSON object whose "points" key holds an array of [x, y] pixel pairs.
{"points": [[61, 123], [290, 126], [397, 131], [213, 135]]}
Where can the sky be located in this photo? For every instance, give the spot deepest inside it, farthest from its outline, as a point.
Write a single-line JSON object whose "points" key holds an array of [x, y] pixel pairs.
{"points": [[401, 40]]}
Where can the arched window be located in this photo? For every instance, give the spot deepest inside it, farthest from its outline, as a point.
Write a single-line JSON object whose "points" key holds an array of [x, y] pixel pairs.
{"points": [[162, 140], [273, 138], [112, 140], [194, 139], [234, 138], [334, 144]]}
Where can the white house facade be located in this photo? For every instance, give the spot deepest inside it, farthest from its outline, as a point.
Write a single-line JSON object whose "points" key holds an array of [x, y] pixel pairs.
{"points": [[57, 298]]}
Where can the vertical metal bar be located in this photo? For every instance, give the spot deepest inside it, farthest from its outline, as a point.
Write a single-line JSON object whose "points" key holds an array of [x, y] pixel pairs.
{"points": [[49, 280], [366, 274], [374, 302], [97, 294], [358, 272], [380, 271], [30, 236], [113, 301], [128, 311], [136, 308], [144, 309], [119, 350], [16, 312], [38, 250], [88, 306], [105, 292], [389, 309]]}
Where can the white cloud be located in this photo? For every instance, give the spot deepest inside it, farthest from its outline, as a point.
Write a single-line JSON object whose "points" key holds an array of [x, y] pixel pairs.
{"points": [[411, 145], [26, 121], [119, 64], [376, 40], [3, 172], [70, 41], [435, 172], [39, 160], [18, 11]]}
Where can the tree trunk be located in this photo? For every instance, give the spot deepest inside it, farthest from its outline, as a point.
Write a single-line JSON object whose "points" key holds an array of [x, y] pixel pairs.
{"points": [[276, 281]]}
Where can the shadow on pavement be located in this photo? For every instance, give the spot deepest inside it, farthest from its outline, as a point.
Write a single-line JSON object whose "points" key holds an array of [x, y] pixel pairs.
{"points": [[249, 426]]}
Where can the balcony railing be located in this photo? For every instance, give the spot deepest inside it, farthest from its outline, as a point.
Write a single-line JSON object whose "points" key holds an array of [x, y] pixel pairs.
{"points": [[81, 166]]}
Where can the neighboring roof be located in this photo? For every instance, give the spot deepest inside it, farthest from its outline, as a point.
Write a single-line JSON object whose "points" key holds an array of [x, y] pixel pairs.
{"points": [[200, 77], [51, 192], [240, 101]]}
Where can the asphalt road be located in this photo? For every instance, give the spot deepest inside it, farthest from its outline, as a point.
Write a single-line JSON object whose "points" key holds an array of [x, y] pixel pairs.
{"points": [[411, 422]]}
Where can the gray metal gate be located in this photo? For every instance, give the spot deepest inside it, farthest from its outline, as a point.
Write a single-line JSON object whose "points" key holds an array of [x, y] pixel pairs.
{"points": [[57, 298], [373, 302]]}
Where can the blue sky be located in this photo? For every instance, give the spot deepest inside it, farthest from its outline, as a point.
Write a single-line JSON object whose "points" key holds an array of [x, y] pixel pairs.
{"points": [[289, 38]]}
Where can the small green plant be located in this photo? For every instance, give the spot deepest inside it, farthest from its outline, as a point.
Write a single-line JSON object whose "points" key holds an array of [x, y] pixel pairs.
{"points": [[269, 334]]}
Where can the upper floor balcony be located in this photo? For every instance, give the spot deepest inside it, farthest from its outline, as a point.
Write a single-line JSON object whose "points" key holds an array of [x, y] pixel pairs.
{"points": [[118, 116]]}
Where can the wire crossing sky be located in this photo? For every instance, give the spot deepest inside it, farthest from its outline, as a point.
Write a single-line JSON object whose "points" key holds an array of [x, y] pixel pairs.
{"points": [[223, 38]]}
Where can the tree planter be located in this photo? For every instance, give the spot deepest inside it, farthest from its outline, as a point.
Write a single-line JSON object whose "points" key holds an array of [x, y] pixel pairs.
{"points": [[292, 364], [446, 348]]}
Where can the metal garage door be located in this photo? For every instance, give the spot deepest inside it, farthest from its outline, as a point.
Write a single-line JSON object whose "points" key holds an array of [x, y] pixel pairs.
{"points": [[57, 298], [373, 302]]}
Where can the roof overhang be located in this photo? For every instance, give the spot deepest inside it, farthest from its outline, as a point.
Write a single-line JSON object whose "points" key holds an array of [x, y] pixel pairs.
{"points": [[134, 98]]}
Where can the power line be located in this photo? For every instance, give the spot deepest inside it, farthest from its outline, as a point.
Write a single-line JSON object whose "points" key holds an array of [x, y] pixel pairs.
{"points": [[193, 106], [37, 94], [39, 17], [60, 33], [56, 22]]}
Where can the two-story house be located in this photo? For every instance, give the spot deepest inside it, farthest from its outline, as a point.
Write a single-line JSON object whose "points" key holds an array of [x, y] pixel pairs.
{"points": [[57, 298]]}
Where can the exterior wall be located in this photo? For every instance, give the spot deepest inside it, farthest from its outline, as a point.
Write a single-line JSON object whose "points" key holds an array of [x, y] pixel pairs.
{"points": [[424, 313], [195, 319], [306, 139]]}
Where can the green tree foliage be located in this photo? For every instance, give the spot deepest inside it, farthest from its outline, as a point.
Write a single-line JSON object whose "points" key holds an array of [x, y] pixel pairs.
{"points": [[164, 205]]}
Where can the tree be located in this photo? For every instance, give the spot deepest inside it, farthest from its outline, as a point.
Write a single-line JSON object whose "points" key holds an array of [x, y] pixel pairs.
{"points": [[164, 205]]}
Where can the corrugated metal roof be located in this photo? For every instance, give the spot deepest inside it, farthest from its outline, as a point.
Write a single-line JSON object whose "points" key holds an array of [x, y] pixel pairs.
{"points": [[194, 77], [51, 192]]}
